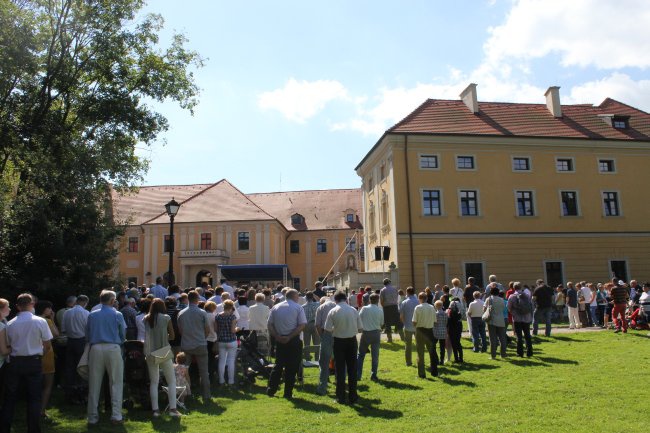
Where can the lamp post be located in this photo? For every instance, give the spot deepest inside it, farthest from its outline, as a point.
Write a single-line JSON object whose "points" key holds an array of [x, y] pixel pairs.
{"points": [[172, 209]]}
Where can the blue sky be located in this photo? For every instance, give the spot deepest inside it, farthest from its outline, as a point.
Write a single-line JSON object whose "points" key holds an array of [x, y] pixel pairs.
{"points": [[295, 93]]}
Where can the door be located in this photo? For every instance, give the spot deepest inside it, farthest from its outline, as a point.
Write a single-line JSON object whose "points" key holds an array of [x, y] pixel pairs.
{"points": [[618, 269], [436, 274], [474, 270], [554, 274]]}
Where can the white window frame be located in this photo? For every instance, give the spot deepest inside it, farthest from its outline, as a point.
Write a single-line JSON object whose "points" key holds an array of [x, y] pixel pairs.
{"points": [[559, 193], [618, 203], [534, 199], [573, 164], [442, 208], [478, 203], [530, 163], [606, 159], [466, 155], [436, 155], [321, 239], [249, 240]]}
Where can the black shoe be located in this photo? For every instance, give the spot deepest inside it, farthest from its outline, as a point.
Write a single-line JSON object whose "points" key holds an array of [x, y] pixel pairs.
{"points": [[434, 373], [288, 396], [374, 378], [270, 392], [354, 399], [422, 376]]}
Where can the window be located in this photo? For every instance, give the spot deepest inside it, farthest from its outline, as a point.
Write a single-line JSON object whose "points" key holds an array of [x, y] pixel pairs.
{"points": [[206, 241], [431, 202], [352, 246], [133, 244], [521, 163], [349, 218], [297, 219], [564, 164], [525, 206], [610, 204], [321, 245], [465, 162], [620, 122], [384, 210], [429, 162], [468, 203], [606, 166], [362, 252], [569, 203], [554, 273], [296, 283], [474, 270], [371, 218], [243, 241], [294, 246], [166, 244]]}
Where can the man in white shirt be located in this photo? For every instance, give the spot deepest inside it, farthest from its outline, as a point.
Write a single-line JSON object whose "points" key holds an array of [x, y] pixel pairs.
{"points": [[29, 337], [372, 320], [424, 317], [344, 324], [227, 288], [475, 315]]}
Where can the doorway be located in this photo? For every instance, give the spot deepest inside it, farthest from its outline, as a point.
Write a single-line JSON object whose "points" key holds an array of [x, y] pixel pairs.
{"points": [[204, 276]]}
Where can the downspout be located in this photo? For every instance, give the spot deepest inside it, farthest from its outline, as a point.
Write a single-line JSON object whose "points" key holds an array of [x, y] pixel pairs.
{"points": [[408, 202]]}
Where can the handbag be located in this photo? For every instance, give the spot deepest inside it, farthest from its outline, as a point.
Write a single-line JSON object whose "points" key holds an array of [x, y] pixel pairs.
{"points": [[82, 366], [487, 314], [163, 354]]}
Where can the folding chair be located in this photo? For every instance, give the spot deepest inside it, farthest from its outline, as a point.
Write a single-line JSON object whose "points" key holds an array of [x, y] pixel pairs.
{"points": [[307, 364], [180, 393]]}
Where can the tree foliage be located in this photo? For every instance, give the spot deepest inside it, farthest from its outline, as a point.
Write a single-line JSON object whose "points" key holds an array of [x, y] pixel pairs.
{"points": [[77, 81]]}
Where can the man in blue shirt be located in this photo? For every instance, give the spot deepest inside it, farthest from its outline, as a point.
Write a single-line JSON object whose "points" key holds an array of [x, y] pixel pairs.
{"points": [[158, 291], [406, 315], [105, 333]]}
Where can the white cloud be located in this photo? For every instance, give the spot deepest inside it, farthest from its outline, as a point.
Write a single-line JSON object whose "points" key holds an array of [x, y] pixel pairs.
{"points": [[605, 34], [301, 100], [617, 86]]}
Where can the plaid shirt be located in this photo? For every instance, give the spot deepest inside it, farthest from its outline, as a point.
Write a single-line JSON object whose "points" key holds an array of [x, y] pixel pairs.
{"points": [[440, 327], [310, 310]]}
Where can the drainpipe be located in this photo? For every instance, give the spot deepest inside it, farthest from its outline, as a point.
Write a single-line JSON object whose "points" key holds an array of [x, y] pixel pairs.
{"points": [[408, 202]]}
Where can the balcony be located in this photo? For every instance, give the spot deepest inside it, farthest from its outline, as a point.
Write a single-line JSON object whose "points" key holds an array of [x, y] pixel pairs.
{"points": [[204, 253]]}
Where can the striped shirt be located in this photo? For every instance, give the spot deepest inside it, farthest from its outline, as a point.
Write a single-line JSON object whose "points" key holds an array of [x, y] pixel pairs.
{"points": [[310, 310], [619, 295]]}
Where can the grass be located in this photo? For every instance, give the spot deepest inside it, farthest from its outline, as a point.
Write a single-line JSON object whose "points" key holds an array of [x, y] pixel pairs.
{"points": [[580, 382]]}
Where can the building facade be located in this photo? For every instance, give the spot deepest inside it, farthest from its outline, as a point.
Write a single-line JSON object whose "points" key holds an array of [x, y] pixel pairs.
{"points": [[310, 231], [524, 191]]}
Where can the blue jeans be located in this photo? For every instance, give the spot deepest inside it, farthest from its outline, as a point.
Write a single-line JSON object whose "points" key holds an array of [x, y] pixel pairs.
{"points": [[325, 353], [478, 334], [542, 314], [594, 316], [372, 339]]}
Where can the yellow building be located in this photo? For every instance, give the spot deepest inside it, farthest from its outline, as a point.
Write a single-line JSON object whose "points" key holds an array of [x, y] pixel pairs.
{"points": [[219, 225], [524, 191]]}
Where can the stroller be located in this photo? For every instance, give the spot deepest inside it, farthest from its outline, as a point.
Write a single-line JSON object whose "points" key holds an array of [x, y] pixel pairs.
{"points": [[136, 375], [253, 363]]}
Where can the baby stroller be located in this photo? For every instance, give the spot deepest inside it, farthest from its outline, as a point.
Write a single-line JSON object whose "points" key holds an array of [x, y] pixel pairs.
{"points": [[253, 363], [136, 375]]}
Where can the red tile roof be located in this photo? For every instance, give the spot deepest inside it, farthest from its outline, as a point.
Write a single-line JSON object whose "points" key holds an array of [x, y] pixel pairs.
{"points": [[149, 201], [322, 209], [218, 202], [436, 116]]}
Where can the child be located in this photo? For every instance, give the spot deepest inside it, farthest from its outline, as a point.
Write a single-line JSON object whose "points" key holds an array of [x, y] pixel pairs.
{"points": [[440, 329], [182, 376]]}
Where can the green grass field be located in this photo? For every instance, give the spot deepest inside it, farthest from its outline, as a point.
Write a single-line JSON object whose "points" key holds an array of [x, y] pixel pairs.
{"points": [[582, 382]]}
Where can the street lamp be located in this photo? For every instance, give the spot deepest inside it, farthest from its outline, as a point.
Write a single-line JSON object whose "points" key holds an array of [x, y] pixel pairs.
{"points": [[172, 209]]}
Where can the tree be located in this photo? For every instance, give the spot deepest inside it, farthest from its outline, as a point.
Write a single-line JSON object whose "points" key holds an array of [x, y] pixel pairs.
{"points": [[77, 79]]}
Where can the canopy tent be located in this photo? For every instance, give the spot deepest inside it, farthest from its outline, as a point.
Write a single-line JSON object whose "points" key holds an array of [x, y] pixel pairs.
{"points": [[256, 273]]}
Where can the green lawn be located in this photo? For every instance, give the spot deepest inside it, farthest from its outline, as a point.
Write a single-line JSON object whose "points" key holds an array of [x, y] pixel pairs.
{"points": [[575, 383]]}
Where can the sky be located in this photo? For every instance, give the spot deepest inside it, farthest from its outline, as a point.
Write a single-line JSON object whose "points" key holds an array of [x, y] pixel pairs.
{"points": [[295, 93]]}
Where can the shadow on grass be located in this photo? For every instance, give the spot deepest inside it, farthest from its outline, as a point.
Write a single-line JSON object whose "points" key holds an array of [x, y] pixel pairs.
{"points": [[457, 382], [644, 335], [393, 347], [367, 407], [210, 408], [526, 362], [310, 406], [475, 366], [565, 338], [167, 426], [393, 384], [551, 360]]}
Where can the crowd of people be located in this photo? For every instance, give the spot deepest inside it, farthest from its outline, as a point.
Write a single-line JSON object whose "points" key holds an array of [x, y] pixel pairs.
{"points": [[82, 350]]}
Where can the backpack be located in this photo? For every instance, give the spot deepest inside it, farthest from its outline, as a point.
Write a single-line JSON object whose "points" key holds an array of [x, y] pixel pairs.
{"points": [[454, 312], [523, 306]]}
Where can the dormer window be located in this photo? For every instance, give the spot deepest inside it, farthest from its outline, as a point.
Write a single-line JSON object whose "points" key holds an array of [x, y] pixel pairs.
{"points": [[616, 121], [297, 219], [349, 217]]}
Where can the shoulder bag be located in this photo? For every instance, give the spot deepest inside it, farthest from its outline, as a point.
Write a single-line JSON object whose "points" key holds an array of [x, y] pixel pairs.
{"points": [[487, 314], [163, 354]]}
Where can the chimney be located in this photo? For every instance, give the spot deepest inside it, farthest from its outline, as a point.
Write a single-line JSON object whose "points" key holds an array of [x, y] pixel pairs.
{"points": [[468, 96], [553, 101]]}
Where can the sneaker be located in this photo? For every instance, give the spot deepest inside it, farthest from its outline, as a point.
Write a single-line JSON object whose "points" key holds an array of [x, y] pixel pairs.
{"points": [[175, 413], [155, 414], [617, 331]]}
